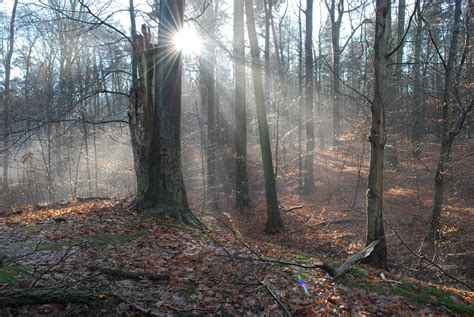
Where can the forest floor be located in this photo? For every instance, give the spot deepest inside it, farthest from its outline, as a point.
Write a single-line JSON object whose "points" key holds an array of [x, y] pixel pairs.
{"points": [[100, 258]]}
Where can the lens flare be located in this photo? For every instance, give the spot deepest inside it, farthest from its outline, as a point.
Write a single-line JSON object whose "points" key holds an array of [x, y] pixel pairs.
{"points": [[187, 41]]}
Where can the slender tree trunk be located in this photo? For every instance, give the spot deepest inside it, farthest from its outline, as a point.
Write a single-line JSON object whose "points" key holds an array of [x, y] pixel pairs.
{"points": [[240, 137], [336, 11], [417, 91], [207, 62], [4, 132], [274, 220], [446, 138], [300, 103], [309, 186], [375, 227]]}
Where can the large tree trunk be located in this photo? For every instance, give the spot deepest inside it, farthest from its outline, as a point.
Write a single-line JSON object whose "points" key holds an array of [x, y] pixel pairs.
{"points": [[240, 138], [166, 185], [4, 132], [308, 47], [274, 220], [446, 138], [141, 106], [375, 228]]}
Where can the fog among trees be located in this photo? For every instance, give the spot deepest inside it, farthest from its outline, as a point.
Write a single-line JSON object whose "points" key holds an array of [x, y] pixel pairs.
{"points": [[329, 140]]}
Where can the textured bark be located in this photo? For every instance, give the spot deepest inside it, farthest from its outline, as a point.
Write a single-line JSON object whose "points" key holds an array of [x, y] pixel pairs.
{"points": [[166, 185], [274, 220], [308, 47], [4, 132], [375, 228], [141, 105], [447, 137], [240, 137]]}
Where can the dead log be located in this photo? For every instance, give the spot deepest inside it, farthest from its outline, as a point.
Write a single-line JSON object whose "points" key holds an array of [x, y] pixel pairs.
{"points": [[130, 275]]}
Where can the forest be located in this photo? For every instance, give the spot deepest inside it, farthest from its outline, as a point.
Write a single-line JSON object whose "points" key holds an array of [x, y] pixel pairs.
{"points": [[236, 157]]}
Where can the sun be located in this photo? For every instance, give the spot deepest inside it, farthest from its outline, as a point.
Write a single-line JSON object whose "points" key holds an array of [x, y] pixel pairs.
{"points": [[187, 41]]}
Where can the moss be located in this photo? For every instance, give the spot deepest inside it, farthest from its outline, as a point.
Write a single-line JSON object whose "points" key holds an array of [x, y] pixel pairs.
{"points": [[180, 227], [410, 290], [36, 228], [56, 246], [435, 296], [358, 272], [6, 277], [10, 274], [185, 293], [302, 259], [114, 237]]}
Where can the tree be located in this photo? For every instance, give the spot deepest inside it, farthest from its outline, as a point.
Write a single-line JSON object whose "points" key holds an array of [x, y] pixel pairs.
{"points": [[375, 227], [336, 11], [240, 137], [6, 96], [449, 130], [308, 48], [274, 220], [207, 64], [165, 184], [141, 105]]}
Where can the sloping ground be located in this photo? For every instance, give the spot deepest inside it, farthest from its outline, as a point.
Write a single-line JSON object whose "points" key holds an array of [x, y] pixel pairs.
{"points": [[99, 258]]}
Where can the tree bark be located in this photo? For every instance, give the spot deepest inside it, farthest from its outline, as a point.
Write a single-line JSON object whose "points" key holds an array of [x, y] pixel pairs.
{"points": [[141, 105], [166, 185], [417, 100], [274, 220], [446, 138], [240, 137], [375, 227], [4, 132], [308, 47]]}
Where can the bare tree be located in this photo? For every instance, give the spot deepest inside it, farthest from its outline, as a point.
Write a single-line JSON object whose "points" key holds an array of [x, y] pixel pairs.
{"points": [[240, 137], [308, 48], [274, 220], [375, 227], [6, 96]]}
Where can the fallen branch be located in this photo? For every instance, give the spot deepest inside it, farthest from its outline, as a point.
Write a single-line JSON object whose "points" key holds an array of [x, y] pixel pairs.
{"points": [[388, 280], [131, 275], [293, 208], [321, 264], [275, 296], [355, 258]]}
